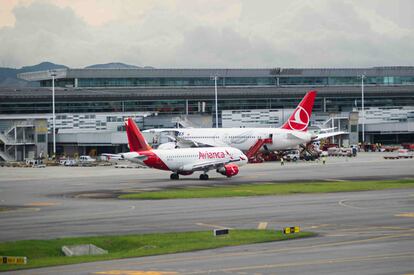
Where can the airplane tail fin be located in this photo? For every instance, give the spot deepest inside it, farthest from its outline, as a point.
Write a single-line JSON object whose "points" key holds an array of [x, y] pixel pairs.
{"points": [[136, 140], [299, 120]]}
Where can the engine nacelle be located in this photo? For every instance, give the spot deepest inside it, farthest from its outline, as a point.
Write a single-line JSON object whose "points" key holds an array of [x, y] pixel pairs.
{"points": [[229, 170]]}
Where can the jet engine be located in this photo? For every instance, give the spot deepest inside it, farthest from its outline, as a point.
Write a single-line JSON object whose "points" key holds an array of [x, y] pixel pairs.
{"points": [[229, 170]]}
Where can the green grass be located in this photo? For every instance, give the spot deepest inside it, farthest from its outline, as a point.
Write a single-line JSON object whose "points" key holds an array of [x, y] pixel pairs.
{"points": [[6, 208], [245, 190], [42, 253]]}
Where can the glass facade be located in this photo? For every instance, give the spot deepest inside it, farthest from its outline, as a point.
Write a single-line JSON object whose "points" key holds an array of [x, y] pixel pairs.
{"points": [[283, 81], [67, 82], [229, 81], [331, 104], [143, 82]]}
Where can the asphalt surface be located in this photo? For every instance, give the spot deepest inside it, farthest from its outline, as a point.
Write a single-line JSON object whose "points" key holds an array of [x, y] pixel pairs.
{"points": [[359, 232]]}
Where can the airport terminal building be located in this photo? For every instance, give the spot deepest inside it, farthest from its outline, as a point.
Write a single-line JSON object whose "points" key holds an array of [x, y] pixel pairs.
{"points": [[92, 103]]}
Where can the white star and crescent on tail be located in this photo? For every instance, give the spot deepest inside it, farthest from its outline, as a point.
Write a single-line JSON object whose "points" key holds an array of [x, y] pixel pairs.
{"points": [[298, 124]]}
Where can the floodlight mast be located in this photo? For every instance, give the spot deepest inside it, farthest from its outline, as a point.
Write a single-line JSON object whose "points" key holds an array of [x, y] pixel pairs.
{"points": [[363, 108], [53, 74], [215, 77]]}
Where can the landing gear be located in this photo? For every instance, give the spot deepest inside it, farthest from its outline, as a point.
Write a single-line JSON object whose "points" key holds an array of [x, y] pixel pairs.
{"points": [[203, 177], [174, 176]]}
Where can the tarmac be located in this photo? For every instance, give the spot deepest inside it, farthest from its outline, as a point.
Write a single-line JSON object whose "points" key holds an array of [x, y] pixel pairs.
{"points": [[370, 232]]}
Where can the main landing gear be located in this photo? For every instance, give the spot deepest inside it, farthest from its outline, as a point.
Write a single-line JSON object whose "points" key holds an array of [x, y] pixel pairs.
{"points": [[203, 177], [174, 176]]}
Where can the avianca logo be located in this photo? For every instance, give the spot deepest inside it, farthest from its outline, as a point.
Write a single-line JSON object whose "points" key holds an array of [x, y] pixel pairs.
{"points": [[300, 119], [228, 154], [211, 155]]}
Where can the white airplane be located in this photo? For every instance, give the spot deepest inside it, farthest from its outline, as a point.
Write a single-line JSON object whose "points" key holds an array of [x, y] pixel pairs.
{"points": [[225, 160], [291, 134]]}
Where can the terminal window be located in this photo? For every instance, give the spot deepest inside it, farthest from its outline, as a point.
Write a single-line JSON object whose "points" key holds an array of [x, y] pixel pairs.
{"points": [[354, 128], [41, 138]]}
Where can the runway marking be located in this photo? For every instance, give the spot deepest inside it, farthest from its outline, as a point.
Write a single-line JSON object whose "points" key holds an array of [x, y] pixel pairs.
{"points": [[134, 272], [41, 204], [213, 226], [370, 228], [321, 225], [406, 215], [314, 262], [342, 203], [262, 226]]}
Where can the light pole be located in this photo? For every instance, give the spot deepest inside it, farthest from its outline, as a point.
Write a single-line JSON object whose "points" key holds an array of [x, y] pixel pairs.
{"points": [[362, 108], [53, 74], [215, 93]]}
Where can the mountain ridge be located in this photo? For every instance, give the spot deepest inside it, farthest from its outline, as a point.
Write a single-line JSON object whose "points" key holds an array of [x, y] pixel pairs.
{"points": [[8, 76]]}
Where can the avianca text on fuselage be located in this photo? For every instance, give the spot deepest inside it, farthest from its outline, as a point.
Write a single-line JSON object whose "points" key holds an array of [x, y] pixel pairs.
{"points": [[211, 155]]}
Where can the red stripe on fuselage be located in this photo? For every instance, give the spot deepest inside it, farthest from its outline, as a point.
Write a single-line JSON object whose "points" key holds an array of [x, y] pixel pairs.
{"points": [[154, 161]]}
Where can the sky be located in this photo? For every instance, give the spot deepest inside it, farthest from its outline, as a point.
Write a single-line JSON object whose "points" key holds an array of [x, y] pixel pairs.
{"points": [[208, 34]]}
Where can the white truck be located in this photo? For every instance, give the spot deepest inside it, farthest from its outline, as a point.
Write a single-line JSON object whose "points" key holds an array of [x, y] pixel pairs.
{"points": [[86, 161]]}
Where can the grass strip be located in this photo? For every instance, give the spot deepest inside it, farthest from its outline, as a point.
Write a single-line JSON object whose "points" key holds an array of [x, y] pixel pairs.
{"points": [[245, 190], [42, 253]]}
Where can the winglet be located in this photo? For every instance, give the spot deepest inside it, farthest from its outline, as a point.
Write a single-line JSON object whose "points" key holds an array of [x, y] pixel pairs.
{"points": [[136, 140], [299, 120]]}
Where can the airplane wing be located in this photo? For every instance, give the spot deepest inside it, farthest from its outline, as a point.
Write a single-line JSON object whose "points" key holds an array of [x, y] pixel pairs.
{"points": [[327, 135], [207, 165], [183, 142]]}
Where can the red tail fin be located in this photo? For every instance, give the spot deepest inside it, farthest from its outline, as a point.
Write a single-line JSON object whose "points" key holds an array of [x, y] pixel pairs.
{"points": [[299, 120], [136, 140]]}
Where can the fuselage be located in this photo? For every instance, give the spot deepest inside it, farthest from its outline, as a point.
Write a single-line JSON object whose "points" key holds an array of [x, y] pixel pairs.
{"points": [[245, 138], [188, 159]]}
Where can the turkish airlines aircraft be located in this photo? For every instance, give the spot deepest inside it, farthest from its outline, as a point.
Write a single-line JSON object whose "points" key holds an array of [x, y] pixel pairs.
{"points": [[225, 160], [292, 133]]}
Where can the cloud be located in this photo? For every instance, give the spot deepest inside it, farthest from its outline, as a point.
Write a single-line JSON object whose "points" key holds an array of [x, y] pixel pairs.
{"points": [[233, 33]]}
